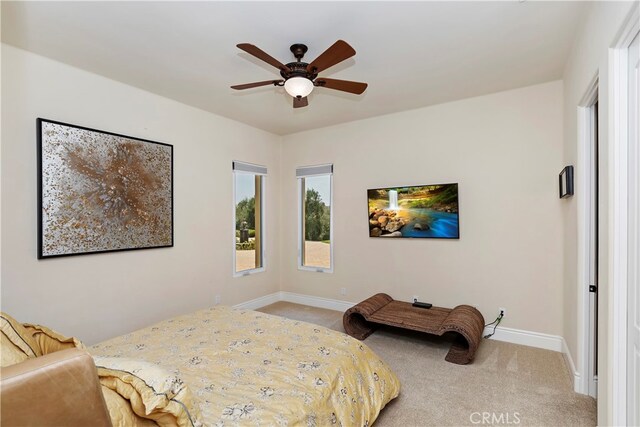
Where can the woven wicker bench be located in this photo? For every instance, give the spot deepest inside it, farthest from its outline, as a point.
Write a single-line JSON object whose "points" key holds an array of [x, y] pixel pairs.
{"points": [[467, 322]]}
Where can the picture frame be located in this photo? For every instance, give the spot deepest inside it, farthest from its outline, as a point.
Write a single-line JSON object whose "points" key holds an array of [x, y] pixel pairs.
{"points": [[416, 211], [565, 182], [101, 191]]}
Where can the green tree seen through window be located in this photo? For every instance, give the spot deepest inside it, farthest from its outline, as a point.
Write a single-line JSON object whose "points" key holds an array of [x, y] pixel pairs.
{"points": [[317, 217], [246, 211]]}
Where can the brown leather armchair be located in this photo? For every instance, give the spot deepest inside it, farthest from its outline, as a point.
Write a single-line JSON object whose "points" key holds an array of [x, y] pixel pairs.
{"points": [[57, 389]]}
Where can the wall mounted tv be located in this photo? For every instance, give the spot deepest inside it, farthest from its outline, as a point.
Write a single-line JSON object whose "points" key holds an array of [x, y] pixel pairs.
{"points": [[425, 211]]}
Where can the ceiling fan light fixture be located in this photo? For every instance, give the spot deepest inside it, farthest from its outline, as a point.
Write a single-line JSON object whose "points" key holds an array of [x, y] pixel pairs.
{"points": [[298, 86]]}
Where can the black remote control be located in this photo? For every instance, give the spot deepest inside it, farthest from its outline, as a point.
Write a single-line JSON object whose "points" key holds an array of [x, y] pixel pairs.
{"points": [[422, 304]]}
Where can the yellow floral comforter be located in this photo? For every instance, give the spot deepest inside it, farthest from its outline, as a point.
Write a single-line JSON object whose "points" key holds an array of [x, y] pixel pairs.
{"points": [[248, 368]]}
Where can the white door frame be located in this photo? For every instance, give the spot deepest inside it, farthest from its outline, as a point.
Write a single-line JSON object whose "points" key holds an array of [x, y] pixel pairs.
{"points": [[618, 208], [586, 382]]}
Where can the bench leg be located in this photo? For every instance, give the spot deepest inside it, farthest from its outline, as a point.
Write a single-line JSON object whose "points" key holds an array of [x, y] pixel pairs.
{"points": [[467, 323], [356, 325], [354, 320], [460, 353]]}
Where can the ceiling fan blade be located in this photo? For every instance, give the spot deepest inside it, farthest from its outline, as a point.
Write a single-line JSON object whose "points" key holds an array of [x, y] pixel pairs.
{"points": [[343, 85], [256, 84], [300, 102], [338, 52], [260, 54]]}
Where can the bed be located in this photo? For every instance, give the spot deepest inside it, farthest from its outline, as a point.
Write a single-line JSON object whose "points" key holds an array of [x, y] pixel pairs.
{"points": [[227, 367]]}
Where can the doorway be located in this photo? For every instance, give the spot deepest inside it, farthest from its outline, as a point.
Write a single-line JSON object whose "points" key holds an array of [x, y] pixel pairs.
{"points": [[594, 233], [589, 283]]}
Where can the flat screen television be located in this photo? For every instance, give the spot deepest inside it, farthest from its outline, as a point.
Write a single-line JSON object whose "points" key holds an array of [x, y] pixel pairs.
{"points": [[424, 211]]}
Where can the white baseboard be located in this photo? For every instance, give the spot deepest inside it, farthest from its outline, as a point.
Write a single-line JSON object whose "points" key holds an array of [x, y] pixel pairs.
{"points": [[259, 302], [514, 336], [578, 385], [532, 339], [329, 304]]}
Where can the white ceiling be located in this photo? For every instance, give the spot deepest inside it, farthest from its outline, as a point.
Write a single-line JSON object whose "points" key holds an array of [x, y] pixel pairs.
{"points": [[412, 54]]}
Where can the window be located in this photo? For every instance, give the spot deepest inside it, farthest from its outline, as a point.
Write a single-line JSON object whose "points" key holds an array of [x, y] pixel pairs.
{"points": [[248, 194], [315, 218]]}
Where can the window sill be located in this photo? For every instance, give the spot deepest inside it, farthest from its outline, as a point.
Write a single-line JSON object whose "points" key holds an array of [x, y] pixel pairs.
{"points": [[248, 272], [315, 269]]}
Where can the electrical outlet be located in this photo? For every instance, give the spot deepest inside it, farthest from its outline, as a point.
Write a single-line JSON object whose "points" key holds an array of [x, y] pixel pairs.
{"points": [[217, 299], [415, 298], [502, 310], [343, 291]]}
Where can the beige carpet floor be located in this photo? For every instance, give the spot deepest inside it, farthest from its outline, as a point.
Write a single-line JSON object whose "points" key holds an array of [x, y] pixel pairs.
{"points": [[507, 384]]}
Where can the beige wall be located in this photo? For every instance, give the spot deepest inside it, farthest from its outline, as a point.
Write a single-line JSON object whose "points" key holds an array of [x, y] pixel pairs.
{"points": [[98, 296], [504, 150], [518, 242], [590, 57]]}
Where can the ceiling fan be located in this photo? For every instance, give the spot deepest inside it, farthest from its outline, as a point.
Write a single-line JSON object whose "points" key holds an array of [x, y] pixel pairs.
{"points": [[299, 78]]}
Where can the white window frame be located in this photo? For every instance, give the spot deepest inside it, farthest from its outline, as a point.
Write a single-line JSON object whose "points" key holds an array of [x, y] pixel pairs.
{"points": [[250, 169], [299, 178]]}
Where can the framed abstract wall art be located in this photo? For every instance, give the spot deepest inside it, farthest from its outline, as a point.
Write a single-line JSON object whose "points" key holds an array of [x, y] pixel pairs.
{"points": [[425, 211], [101, 192]]}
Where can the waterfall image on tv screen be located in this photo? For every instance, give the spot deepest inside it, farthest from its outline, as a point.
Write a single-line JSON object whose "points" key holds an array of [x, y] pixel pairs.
{"points": [[426, 211]]}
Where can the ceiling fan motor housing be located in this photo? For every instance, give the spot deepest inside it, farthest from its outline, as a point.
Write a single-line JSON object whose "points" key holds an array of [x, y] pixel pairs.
{"points": [[298, 68]]}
